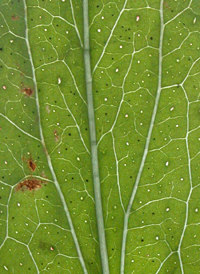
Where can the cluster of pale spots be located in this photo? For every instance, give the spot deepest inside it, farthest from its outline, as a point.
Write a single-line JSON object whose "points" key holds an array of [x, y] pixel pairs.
{"points": [[145, 67]]}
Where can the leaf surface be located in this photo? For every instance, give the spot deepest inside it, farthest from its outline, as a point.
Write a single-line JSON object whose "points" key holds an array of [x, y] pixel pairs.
{"points": [[99, 136]]}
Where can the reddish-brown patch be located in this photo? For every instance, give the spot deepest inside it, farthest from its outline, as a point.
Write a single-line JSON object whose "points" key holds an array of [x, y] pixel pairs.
{"points": [[29, 184], [14, 18], [57, 137], [31, 165], [28, 91]]}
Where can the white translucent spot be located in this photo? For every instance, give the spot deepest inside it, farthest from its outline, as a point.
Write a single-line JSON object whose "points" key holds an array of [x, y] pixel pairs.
{"points": [[167, 209], [18, 204], [85, 221], [67, 31], [172, 108], [127, 143], [176, 125], [126, 115], [121, 46], [102, 17], [157, 238], [45, 29], [177, 60], [59, 80], [105, 99], [4, 87], [148, 190], [137, 18], [6, 162], [196, 209], [132, 261], [11, 41], [138, 61], [194, 21], [167, 163], [78, 159], [5, 267], [81, 198], [99, 30], [117, 70]]}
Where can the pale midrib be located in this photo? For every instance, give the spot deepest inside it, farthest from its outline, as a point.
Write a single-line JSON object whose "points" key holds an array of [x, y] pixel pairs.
{"points": [[127, 214], [66, 210], [93, 142]]}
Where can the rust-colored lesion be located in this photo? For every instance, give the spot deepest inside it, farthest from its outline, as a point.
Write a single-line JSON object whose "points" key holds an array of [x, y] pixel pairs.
{"points": [[57, 137], [14, 17], [29, 184], [32, 166], [30, 163], [28, 91]]}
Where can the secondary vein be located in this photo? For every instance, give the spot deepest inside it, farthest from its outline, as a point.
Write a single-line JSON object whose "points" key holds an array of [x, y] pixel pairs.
{"points": [[66, 210], [93, 142], [127, 214]]}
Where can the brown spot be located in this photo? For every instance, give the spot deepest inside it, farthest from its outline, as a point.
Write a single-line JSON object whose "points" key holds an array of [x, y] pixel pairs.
{"points": [[166, 5], [31, 165], [14, 18], [28, 91], [29, 184], [57, 137]]}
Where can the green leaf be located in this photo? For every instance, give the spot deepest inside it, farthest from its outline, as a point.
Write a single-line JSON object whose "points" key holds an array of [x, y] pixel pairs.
{"points": [[99, 136]]}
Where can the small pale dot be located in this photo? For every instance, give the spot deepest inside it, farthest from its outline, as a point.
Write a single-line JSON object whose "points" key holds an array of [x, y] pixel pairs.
{"points": [[137, 18]]}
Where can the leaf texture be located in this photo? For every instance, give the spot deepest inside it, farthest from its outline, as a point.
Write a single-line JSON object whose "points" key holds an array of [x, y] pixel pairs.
{"points": [[99, 136]]}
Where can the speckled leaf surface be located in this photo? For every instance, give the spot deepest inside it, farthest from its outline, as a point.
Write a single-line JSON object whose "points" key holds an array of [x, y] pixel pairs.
{"points": [[145, 72]]}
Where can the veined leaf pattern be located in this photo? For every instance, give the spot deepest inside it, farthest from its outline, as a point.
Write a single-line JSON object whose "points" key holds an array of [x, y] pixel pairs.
{"points": [[99, 136]]}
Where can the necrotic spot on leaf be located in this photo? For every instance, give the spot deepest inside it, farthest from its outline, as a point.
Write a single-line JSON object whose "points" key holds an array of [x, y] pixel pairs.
{"points": [[28, 91], [29, 184], [32, 165]]}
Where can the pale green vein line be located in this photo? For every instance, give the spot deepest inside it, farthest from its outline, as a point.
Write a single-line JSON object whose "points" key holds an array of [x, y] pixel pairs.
{"points": [[66, 210], [23, 131], [146, 149], [93, 142]]}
